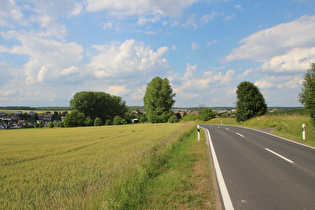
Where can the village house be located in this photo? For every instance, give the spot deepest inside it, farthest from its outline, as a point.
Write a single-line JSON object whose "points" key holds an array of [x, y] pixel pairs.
{"points": [[15, 117], [45, 117], [3, 126], [18, 112], [32, 113], [21, 123], [6, 118]]}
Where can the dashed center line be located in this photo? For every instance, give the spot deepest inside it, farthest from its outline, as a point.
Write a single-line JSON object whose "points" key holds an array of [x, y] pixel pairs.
{"points": [[284, 158], [240, 135], [227, 129]]}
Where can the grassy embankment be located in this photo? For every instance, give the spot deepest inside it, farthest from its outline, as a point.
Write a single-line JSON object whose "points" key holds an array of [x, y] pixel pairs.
{"points": [[286, 123], [111, 167]]}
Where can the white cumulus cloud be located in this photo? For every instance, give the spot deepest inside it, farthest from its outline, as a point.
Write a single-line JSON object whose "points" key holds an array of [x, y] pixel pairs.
{"points": [[47, 58], [126, 59], [295, 60], [10, 14], [277, 40], [57, 7], [207, 79], [139, 7], [117, 90]]}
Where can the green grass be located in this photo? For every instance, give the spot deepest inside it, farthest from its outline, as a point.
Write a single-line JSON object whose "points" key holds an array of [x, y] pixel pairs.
{"points": [[183, 181], [301, 111], [286, 125], [106, 167]]}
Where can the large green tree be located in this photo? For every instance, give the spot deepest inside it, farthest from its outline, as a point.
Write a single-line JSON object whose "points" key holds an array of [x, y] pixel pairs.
{"points": [[307, 96], [158, 100], [250, 102], [98, 104]]}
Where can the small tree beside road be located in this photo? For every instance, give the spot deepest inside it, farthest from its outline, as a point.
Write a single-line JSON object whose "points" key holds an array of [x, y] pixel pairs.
{"points": [[250, 102], [307, 96]]}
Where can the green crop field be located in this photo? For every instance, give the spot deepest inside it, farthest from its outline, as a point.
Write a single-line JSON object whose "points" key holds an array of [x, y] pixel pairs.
{"points": [[78, 168]]}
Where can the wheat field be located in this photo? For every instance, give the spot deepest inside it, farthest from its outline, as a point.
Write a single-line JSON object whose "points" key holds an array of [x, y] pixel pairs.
{"points": [[75, 167]]}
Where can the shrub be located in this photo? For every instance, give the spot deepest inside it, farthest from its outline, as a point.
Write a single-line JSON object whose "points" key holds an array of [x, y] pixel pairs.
{"points": [[74, 119], [143, 118], [36, 125], [98, 122], [61, 124], [173, 119], [88, 121], [41, 124], [108, 122], [190, 117], [119, 121], [51, 124]]}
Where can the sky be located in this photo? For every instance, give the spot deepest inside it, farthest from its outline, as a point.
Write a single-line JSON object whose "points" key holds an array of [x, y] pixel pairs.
{"points": [[51, 49]]}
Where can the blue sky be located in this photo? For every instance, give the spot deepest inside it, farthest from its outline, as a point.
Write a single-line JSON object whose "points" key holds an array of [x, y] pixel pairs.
{"points": [[51, 49]]}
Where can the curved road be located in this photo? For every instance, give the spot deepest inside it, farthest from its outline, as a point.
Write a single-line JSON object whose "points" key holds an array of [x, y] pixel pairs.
{"points": [[262, 171]]}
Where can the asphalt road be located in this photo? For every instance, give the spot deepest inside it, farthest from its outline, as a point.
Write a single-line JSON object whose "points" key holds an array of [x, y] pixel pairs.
{"points": [[261, 171]]}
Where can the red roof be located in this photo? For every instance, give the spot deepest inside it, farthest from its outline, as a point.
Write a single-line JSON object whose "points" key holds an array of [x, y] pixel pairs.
{"points": [[14, 116]]}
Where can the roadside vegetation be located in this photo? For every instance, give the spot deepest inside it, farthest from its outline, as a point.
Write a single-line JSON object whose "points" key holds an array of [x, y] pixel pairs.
{"points": [[186, 180], [108, 167], [286, 123]]}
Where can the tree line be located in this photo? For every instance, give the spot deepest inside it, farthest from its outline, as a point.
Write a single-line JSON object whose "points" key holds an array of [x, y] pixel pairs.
{"points": [[99, 108]]}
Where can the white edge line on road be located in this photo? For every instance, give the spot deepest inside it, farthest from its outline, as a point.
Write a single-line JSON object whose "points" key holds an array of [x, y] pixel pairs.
{"points": [[224, 192], [284, 158], [279, 137], [240, 135]]}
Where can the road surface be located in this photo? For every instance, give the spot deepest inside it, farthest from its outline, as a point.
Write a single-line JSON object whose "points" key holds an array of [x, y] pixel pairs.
{"points": [[262, 171]]}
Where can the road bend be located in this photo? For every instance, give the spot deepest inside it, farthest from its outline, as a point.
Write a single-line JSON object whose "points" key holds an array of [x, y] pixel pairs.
{"points": [[262, 171]]}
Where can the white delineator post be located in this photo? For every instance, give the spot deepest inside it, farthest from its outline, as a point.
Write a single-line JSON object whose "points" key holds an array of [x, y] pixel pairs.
{"points": [[303, 131], [198, 132]]}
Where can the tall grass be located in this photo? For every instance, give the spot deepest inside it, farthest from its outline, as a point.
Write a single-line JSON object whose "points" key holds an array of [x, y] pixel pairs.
{"points": [[78, 168], [184, 180]]}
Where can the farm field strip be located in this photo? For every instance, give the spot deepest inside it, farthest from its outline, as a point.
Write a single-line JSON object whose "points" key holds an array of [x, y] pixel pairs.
{"points": [[66, 166], [11, 161], [22, 146]]}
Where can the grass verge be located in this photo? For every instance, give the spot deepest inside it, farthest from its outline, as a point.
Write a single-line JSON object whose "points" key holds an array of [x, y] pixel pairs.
{"points": [[176, 176], [288, 126], [184, 180]]}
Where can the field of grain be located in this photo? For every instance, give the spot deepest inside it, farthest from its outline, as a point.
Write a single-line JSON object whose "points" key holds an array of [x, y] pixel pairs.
{"points": [[79, 168]]}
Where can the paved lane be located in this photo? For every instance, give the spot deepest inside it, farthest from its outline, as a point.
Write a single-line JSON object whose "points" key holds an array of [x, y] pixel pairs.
{"points": [[263, 171]]}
